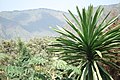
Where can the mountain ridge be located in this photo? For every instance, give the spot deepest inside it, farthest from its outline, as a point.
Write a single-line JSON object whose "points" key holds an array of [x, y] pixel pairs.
{"points": [[36, 22], [114, 4]]}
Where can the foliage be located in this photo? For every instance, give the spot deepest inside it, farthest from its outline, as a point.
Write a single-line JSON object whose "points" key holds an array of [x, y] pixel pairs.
{"points": [[8, 47], [32, 61], [90, 44]]}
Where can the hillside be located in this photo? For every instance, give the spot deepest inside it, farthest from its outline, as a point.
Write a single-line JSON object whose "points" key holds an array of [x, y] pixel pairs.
{"points": [[29, 23], [36, 22]]}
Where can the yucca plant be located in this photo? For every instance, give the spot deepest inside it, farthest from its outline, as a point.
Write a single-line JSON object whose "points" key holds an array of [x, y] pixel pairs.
{"points": [[90, 44]]}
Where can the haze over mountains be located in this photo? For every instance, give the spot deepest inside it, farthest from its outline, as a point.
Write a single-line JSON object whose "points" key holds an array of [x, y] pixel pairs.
{"points": [[36, 22], [29, 23]]}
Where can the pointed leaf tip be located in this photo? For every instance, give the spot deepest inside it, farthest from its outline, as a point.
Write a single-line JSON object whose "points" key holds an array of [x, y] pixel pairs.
{"points": [[99, 53]]}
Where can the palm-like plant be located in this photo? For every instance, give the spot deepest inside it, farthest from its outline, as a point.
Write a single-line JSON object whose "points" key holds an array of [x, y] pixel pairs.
{"points": [[91, 44]]}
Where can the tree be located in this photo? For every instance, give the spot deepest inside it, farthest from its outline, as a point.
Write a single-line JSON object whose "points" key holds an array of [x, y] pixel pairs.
{"points": [[90, 45]]}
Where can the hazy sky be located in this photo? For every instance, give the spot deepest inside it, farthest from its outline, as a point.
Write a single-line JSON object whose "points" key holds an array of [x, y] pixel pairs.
{"points": [[62, 5]]}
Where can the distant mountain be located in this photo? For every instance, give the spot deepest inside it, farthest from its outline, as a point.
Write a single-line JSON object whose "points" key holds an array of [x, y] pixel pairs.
{"points": [[10, 29], [36, 22], [114, 9], [29, 23]]}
